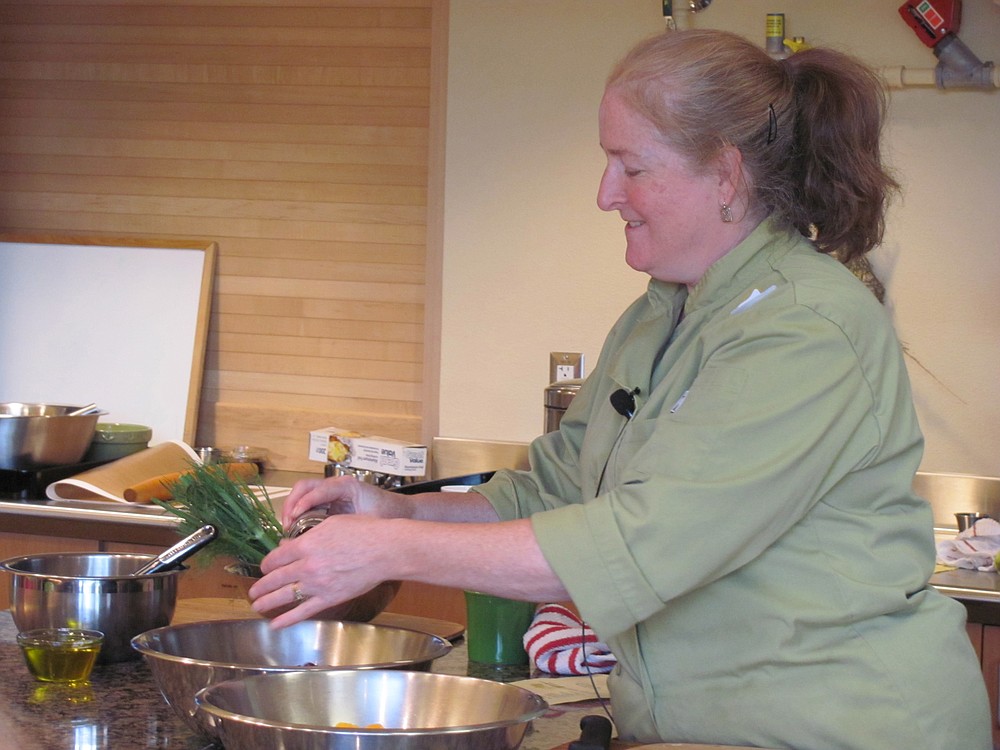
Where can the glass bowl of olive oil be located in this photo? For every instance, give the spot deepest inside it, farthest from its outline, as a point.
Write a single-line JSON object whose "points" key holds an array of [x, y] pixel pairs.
{"points": [[64, 655]]}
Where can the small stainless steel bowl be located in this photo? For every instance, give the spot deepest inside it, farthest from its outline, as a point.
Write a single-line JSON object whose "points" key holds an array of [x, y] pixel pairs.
{"points": [[415, 711], [966, 521], [186, 658], [91, 590]]}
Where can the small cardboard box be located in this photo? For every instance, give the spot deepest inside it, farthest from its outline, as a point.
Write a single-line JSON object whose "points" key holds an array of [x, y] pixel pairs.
{"points": [[369, 452]]}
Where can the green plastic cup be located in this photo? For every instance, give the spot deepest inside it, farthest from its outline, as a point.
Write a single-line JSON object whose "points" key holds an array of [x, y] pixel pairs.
{"points": [[495, 628]]}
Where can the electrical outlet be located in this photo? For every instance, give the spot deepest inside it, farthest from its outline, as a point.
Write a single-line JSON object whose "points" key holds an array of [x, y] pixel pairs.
{"points": [[565, 366]]}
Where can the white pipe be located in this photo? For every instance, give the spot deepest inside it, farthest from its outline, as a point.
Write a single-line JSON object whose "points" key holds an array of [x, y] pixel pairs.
{"points": [[900, 77]]}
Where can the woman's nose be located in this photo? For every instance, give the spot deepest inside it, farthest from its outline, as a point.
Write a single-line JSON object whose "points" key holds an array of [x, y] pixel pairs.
{"points": [[607, 192]]}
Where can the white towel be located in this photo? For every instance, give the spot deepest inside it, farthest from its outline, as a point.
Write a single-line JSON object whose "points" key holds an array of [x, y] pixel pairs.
{"points": [[558, 642], [973, 549]]}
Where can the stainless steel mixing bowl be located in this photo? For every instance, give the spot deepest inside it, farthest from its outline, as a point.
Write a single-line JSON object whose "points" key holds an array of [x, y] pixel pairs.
{"points": [[186, 658], [33, 436], [416, 711], [94, 591]]}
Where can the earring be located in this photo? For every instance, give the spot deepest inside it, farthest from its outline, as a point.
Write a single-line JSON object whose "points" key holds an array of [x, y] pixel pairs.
{"points": [[726, 213]]}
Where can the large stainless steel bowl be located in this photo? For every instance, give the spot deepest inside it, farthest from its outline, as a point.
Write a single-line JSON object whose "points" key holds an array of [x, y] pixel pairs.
{"points": [[33, 436], [416, 711], [94, 591], [186, 658]]}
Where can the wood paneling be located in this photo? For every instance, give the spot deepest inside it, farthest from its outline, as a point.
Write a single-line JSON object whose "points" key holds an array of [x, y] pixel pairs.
{"points": [[298, 137]]}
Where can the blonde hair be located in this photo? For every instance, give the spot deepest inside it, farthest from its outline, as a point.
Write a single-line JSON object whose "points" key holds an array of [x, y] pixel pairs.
{"points": [[808, 127]]}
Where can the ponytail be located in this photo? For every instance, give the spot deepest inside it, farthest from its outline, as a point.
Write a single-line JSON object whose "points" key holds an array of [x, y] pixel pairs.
{"points": [[836, 164]]}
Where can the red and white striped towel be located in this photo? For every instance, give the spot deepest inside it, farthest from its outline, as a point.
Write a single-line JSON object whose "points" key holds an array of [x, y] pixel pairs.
{"points": [[973, 549], [558, 642]]}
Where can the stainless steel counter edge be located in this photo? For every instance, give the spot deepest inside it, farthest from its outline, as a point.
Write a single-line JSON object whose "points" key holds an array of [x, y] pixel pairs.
{"points": [[82, 510], [967, 594], [124, 513]]}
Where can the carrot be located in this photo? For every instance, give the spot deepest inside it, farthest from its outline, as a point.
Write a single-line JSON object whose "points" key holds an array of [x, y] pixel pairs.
{"points": [[158, 488]]}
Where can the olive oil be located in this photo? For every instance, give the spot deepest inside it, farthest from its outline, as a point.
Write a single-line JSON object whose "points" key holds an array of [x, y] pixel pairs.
{"points": [[60, 655]]}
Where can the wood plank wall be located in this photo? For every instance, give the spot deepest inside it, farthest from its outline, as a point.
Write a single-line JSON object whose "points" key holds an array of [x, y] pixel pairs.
{"points": [[294, 135]]}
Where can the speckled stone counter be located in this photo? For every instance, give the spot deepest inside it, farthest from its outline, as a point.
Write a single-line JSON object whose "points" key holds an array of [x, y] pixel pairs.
{"points": [[121, 709]]}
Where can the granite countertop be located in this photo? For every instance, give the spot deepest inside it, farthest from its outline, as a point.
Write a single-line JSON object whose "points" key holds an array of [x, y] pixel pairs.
{"points": [[121, 707]]}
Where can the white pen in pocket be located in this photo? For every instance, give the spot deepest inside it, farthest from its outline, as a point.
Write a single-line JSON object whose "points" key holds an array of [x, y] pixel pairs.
{"points": [[755, 296]]}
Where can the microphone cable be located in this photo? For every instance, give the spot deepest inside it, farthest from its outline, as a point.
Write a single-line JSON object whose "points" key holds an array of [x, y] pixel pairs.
{"points": [[590, 672], [623, 402]]}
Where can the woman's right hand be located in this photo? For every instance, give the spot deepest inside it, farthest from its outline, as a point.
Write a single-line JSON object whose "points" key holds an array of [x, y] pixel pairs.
{"points": [[344, 494]]}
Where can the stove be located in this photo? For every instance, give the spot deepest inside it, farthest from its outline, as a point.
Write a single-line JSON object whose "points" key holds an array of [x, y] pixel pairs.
{"points": [[30, 484]]}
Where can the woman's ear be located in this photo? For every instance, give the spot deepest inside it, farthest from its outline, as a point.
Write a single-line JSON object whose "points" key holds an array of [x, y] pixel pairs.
{"points": [[731, 177]]}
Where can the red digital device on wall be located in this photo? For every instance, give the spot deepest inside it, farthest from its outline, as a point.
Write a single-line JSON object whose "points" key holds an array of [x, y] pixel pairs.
{"points": [[932, 20]]}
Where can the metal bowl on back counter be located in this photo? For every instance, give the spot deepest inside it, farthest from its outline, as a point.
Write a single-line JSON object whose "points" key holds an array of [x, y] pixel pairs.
{"points": [[186, 658], [369, 710], [35, 435]]}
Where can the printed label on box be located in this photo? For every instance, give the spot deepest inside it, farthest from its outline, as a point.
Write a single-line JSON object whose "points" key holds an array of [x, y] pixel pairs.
{"points": [[368, 452]]}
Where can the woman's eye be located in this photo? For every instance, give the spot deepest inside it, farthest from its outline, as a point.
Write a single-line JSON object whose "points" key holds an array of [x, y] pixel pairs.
{"points": [[632, 172]]}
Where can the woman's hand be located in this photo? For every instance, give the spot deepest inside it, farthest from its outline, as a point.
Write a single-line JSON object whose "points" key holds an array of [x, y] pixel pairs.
{"points": [[372, 535], [347, 555], [343, 495], [339, 559]]}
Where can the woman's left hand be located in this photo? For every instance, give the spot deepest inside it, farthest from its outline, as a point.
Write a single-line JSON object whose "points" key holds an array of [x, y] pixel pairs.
{"points": [[335, 561]]}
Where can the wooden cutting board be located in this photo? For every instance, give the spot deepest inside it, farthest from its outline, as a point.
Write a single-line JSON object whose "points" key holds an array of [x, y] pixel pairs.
{"points": [[199, 610]]}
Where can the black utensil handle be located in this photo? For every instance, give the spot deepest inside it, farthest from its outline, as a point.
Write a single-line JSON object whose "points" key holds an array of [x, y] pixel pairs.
{"points": [[595, 734]]}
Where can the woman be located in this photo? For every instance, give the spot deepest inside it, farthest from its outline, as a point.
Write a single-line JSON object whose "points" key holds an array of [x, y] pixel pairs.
{"points": [[737, 520]]}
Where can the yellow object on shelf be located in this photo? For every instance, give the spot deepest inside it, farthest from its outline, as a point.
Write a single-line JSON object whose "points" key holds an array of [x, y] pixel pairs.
{"points": [[796, 44]]}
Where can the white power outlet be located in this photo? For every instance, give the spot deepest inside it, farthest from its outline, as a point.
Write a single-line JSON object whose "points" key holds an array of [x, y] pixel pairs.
{"points": [[565, 366], [565, 372]]}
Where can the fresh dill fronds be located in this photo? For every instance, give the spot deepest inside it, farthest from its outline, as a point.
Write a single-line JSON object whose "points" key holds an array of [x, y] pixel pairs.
{"points": [[244, 518]]}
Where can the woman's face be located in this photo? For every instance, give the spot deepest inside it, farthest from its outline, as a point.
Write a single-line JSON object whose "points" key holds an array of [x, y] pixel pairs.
{"points": [[673, 229]]}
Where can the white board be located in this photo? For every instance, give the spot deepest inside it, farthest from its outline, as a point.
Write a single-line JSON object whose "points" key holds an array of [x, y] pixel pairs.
{"points": [[120, 326]]}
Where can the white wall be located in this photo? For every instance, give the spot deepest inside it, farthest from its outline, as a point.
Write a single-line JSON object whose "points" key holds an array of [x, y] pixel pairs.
{"points": [[532, 266]]}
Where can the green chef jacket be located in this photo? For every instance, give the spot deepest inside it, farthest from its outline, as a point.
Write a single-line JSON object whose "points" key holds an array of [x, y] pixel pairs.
{"points": [[748, 543]]}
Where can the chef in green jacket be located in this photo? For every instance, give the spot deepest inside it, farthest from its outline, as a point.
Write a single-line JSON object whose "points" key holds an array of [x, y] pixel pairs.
{"points": [[728, 499]]}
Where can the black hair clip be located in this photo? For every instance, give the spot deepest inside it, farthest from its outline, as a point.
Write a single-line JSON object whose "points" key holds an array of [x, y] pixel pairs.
{"points": [[772, 124]]}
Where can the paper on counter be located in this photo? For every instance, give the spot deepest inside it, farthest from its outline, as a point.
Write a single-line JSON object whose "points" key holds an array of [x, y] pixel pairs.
{"points": [[109, 481], [556, 690]]}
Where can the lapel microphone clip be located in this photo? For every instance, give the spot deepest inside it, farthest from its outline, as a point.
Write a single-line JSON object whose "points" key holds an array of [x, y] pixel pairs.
{"points": [[624, 401]]}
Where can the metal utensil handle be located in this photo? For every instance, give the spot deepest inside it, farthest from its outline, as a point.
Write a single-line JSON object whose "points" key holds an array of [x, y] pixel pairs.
{"points": [[179, 552], [88, 409]]}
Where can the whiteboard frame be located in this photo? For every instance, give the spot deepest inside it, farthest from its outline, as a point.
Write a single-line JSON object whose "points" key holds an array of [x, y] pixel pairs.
{"points": [[199, 339]]}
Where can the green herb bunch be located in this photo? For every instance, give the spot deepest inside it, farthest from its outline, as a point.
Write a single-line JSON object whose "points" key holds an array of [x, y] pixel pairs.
{"points": [[246, 525]]}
